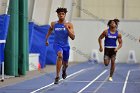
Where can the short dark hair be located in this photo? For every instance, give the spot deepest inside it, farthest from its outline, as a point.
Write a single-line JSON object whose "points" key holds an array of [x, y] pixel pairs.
{"points": [[61, 10], [115, 20]]}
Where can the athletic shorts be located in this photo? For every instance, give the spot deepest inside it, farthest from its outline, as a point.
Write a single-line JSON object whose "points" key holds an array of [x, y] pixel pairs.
{"points": [[109, 53], [64, 49]]}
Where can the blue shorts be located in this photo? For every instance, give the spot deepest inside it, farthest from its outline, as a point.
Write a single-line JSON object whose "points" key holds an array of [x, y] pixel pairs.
{"points": [[65, 50]]}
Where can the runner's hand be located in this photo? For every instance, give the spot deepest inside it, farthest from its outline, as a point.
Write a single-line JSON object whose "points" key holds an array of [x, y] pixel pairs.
{"points": [[101, 49], [47, 43], [116, 50]]}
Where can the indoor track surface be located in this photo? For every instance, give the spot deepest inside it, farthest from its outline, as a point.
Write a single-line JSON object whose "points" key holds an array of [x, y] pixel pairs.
{"points": [[83, 78]]}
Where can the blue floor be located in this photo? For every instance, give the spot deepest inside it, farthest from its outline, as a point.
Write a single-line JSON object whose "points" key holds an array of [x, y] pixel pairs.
{"points": [[84, 78]]}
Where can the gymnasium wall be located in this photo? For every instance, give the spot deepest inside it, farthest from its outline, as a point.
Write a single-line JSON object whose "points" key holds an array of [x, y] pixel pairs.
{"points": [[89, 11], [30, 9], [88, 31], [3, 6], [106, 9]]}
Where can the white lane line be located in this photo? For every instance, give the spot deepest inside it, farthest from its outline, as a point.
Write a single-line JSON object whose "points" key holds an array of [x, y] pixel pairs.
{"points": [[125, 83], [126, 80], [87, 69], [115, 82], [78, 81], [101, 85], [60, 80], [92, 81], [134, 69]]}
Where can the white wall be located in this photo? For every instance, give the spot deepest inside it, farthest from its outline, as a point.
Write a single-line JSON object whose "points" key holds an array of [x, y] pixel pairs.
{"points": [[53, 14], [44, 11], [4, 6], [131, 9], [88, 31], [106, 9], [30, 9], [41, 11], [102, 8]]}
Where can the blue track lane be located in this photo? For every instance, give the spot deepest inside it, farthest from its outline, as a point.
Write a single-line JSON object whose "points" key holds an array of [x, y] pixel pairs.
{"points": [[78, 81]]}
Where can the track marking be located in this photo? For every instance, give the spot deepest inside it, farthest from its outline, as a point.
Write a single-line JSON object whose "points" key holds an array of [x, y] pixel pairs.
{"points": [[66, 80], [125, 83], [100, 85], [115, 82], [92, 81], [78, 81], [60, 80]]}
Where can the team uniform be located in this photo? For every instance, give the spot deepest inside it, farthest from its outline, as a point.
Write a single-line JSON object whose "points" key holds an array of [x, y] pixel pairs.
{"points": [[110, 44], [61, 42]]}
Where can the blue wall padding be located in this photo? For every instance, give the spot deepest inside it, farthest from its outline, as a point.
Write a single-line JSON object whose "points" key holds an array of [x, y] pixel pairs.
{"points": [[4, 23], [37, 38]]}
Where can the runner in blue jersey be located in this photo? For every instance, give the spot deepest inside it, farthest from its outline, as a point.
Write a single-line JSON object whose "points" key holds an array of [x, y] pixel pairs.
{"points": [[62, 30], [111, 36]]}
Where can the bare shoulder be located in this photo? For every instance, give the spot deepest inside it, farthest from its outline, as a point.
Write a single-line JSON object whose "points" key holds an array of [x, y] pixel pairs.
{"points": [[119, 34], [69, 23], [105, 31], [52, 24]]}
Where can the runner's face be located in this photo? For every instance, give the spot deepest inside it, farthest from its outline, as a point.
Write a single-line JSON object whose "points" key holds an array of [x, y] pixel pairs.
{"points": [[61, 15], [113, 24]]}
